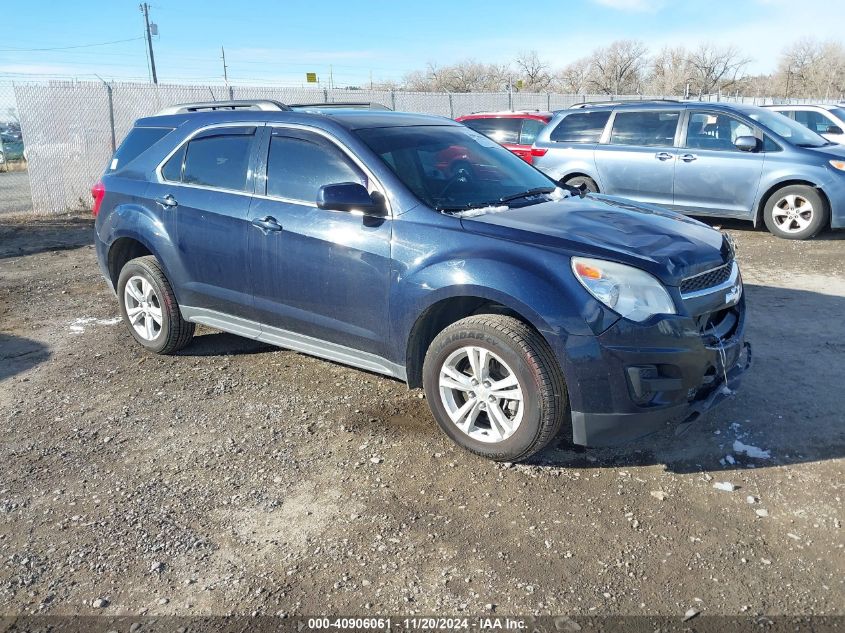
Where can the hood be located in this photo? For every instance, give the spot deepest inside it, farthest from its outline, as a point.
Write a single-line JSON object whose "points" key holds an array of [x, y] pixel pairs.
{"points": [[830, 151], [666, 244]]}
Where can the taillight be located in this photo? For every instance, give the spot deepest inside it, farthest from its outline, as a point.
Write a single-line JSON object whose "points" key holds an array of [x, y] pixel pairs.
{"points": [[98, 191], [538, 151]]}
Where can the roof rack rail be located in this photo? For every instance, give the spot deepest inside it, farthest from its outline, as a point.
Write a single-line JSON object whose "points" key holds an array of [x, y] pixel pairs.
{"points": [[236, 104], [589, 104], [359, 105]]}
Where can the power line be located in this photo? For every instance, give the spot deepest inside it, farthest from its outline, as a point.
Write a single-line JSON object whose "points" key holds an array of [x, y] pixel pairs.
{"points": [[67, 48]]}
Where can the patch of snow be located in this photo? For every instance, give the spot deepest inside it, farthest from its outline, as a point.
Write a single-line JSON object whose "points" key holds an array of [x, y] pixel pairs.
{"points": [[474, 213], [559, 194], [78, 325], [752, 451], [725, 485]]}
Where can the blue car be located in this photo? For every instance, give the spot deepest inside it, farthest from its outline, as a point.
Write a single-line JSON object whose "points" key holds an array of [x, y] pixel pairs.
{"points": [[701, 159], [415, 247]]}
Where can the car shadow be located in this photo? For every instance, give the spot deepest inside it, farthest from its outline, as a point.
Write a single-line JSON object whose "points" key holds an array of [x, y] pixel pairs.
{"points": [[789, 403], [19, 237], [17, 354], [223, 344]]}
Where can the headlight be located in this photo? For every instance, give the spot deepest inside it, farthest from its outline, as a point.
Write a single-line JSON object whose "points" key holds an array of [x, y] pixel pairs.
{"points": [[631, 292], [838, 164]]}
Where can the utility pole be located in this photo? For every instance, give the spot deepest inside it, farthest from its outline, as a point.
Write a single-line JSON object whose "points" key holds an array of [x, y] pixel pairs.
{"points": [[371, 80], [145, 9], [225, 72], [331, 77]]}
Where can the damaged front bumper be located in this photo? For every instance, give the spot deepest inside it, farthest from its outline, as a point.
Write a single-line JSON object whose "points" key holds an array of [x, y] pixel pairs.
{"points": [[635, 379]]}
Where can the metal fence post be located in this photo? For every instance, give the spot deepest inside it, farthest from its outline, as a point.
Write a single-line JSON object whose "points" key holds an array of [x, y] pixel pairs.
{"points": [[548, 101], [510, 99], [451, 107], [111, 117], [392, 99], [325, 95]]}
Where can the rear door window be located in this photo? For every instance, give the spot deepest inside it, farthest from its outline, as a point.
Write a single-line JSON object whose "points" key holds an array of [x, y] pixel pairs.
{"points": [[218, 158], [501, 130], [299, 163], [580, 127], [138, 141], [650, 128], [530, 129]]}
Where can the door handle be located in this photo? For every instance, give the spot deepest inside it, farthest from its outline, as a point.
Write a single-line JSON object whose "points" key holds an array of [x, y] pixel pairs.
{"points": [[663, 155], [688, 158], [267, 224], [167, 202]]}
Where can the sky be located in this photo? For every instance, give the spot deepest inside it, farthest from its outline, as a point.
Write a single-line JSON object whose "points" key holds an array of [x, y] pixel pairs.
{"points": [[277, 42]]}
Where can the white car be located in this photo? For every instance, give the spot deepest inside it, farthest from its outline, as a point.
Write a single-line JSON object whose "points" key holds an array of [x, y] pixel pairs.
{"points": [[827, 120]]}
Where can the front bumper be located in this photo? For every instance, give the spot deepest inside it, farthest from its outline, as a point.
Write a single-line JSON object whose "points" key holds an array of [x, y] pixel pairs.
{"points": [[635, 379]]}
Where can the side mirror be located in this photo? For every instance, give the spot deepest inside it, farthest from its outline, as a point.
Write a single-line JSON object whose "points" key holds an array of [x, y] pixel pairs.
{"points": [[350, 196], [834, 129], [746, 143]]}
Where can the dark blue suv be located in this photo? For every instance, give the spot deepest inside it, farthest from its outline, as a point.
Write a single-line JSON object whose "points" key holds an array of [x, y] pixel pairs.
{"points": [[414, 247]]}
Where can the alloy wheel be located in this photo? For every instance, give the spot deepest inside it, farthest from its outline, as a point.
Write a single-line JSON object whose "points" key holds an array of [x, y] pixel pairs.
{"points": [[481, 394], [143, 308], [792, 213]]}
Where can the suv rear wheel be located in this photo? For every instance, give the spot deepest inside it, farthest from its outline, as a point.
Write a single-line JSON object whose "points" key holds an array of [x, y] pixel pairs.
{"points": [[149, 307], [494, 387], [795, 212]]}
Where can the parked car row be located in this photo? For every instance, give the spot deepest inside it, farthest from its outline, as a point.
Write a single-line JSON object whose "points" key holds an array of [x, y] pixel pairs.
{"points": [[11, 145], [702, 159], [415, 247]]}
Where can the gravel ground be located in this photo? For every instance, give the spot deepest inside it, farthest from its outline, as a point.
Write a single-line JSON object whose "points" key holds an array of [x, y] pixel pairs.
{"points": [[240, 478]]}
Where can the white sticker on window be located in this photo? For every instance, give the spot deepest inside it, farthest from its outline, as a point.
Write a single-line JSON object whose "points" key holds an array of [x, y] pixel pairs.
{"points": [[113, 164]]}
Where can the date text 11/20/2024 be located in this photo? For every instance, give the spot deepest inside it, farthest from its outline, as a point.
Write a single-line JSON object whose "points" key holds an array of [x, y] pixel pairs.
{"points": [[422, 623]]}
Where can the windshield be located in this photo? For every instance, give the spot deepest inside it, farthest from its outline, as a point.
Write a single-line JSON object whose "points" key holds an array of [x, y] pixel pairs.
{"points": [[452, 168], [788, 129]]}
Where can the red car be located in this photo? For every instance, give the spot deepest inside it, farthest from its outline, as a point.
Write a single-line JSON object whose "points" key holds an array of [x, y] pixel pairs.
{"points": [[514, 130]]}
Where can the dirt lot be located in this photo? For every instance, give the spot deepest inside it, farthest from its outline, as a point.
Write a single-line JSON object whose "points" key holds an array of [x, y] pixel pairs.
{"points": [[239, 478]]}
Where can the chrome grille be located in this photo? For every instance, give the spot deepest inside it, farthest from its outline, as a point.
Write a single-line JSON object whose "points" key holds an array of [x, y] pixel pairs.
{"points": [[707, 279]]}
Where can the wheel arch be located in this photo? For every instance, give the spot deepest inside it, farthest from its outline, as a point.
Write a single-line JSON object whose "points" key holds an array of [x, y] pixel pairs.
{"points": [[445, 311], [579, 173], [121, 251], [767, 194]]}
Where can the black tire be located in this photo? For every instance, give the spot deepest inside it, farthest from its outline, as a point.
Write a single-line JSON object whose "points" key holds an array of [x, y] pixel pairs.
{"points": [[577, 183], [789, 229], [175, 332], [545, 401]]}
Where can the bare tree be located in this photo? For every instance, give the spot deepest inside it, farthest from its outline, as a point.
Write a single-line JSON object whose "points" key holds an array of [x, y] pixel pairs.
{"points": [[810, 68], [534, 72], [668, 72], [617, 69], [714, 68], [466, 76], [573, 78]]}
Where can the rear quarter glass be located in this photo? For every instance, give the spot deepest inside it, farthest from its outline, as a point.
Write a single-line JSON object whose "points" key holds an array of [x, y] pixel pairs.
{"points": [[138, 141]]}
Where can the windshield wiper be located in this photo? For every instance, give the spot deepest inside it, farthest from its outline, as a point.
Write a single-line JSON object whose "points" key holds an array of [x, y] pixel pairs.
{"points": [[527, 194], [466, 207]]}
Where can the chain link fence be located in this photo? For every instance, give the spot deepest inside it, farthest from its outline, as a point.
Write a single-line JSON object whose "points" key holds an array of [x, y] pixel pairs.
{"points": [[14, 180], [61, 135]]}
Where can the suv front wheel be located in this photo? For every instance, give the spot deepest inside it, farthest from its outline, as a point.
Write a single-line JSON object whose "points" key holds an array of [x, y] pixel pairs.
{"points": [[494, 387], [148, 307]]}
